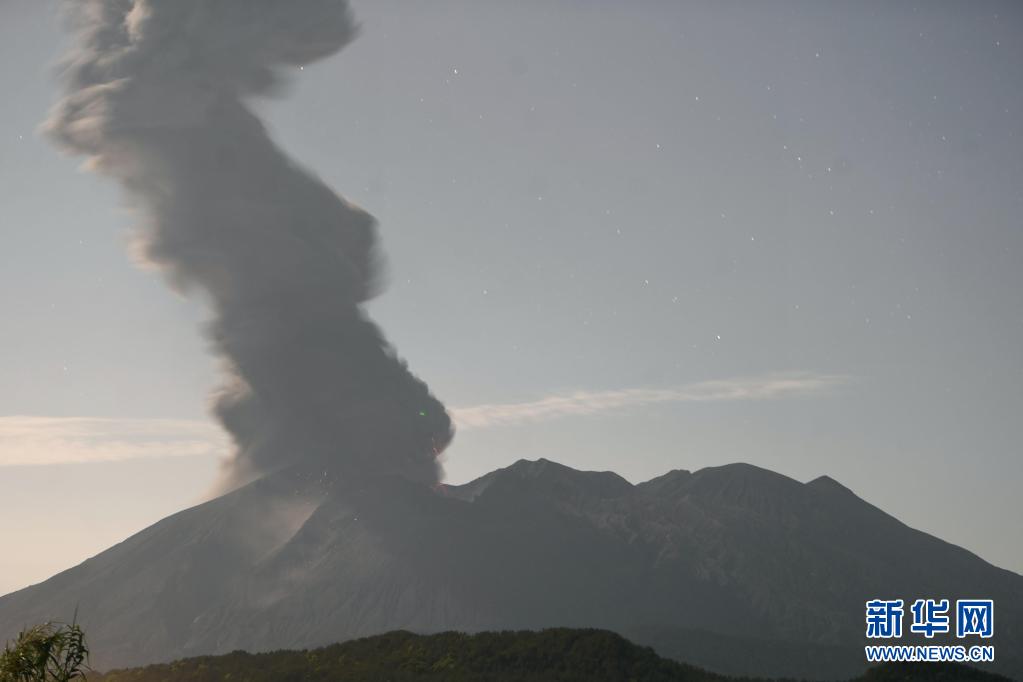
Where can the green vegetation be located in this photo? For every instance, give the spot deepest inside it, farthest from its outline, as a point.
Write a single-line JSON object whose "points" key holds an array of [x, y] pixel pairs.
{"points": [[52, 652], [562, 655], [928, 672], [557, 654], [56, 652]]}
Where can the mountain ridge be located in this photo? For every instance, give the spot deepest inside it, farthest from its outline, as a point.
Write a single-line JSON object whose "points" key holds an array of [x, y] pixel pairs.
{"points": [[300, 558]]}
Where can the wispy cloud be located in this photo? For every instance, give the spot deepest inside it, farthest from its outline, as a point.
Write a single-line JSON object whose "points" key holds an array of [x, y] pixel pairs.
{"points": [[581, 403], [36, 441]]}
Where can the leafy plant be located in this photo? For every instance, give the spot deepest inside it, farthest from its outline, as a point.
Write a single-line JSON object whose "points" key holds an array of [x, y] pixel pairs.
{"points": [[51, 652]]}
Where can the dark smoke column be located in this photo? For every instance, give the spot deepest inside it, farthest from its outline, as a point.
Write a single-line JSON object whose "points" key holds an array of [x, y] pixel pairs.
{"points": [[155, 98]]}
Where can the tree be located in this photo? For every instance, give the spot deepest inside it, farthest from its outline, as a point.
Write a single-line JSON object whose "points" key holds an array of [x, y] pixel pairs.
{"points": [[51, 652]]}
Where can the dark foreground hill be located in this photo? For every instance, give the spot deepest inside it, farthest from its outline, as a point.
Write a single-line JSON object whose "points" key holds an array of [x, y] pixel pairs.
{"points": [[735, 569], [556, 654]]}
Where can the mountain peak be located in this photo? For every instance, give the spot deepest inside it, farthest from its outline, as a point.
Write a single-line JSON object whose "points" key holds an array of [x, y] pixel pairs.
{"points": [[542, 476], [537, 467], [828, 484], [743, 475], [666, 484], [297, 559]]}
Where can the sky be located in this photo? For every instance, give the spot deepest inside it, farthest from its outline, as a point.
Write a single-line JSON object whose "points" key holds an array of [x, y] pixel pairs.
{"points": [[623, 236]]}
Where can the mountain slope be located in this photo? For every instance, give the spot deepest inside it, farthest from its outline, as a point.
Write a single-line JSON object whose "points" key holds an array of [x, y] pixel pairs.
{"points": [[767, 574]]}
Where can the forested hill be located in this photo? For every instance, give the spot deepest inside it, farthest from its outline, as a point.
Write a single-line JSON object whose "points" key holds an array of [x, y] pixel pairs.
{"points": [[560, 654]]}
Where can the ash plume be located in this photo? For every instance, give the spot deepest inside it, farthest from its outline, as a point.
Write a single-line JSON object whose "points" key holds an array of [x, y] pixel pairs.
{"points": [[156, 98]]}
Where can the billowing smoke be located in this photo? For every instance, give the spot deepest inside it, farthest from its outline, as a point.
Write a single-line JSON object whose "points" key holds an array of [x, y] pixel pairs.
{"points": [[157, 99]]}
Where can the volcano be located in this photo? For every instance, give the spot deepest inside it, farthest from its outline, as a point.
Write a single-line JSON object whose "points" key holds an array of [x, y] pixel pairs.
{"points": [[734, 568]]}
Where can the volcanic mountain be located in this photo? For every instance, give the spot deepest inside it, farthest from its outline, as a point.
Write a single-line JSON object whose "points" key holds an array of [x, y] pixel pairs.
{"points": [[734, 568]]}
